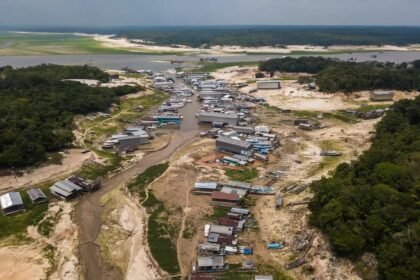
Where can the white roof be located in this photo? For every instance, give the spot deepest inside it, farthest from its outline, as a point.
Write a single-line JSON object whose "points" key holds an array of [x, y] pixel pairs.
{"points": [[10, 199], [205, 185]]}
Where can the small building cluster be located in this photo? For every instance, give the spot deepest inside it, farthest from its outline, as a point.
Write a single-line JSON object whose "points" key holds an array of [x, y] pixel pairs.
{"points": [[12, 202], [229, 194], [73, 187]]}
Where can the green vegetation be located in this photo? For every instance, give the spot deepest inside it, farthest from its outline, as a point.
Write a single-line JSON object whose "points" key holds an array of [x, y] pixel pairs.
{"points": [[218, 212], [46, 226], [255, 36], [139, 184], [12, 43], [335, 76], [242, 175], [16, 225], [162, 233], [213, 67], [37, 109], [49, 254], [372, 205]]}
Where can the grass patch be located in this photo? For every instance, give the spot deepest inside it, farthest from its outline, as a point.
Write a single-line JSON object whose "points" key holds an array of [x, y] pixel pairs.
{"points": [[139, 184], [63, 44], [218, 212], [340, 116], [368, 108], [17, 224], [161, 234], [213, 67], [46, 226], [49, 254], [242, 175]]}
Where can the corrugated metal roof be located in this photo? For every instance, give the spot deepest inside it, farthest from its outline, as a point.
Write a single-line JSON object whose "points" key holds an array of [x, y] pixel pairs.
{"points": [[218, 115], [240, 192], [67, 186], [221, 229], [263, 277], [225, 196], [206, 185], [10, 199], [56, 190], [210, 261], [230, 141], [36, 193]]}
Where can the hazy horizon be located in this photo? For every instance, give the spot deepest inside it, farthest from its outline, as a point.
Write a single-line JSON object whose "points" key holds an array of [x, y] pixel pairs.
{"points": [[140, 13]]}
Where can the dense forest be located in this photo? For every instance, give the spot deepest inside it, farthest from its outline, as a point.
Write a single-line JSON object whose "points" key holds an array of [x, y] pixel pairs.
{"points": [[254, 36], [372, 205], [333, 75], [37, 109]]}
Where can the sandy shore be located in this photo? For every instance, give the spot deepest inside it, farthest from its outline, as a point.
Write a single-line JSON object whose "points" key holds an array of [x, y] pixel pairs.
{"points": [[124, 43]]}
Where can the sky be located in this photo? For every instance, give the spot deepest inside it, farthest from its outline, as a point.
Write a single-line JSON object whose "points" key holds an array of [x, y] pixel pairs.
{"points": [[108, 13]]}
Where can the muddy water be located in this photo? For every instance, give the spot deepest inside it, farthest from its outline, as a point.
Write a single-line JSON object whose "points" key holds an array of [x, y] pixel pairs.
{"points": [[89, 210]]}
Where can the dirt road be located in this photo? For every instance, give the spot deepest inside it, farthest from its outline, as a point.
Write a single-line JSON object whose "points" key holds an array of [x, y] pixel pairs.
{"points": [[89, 210]]}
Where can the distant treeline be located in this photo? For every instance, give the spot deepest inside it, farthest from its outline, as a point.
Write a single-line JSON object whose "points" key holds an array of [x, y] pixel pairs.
{"points": [[254, 36], [372, 204], [333, 76], [37, 109]]}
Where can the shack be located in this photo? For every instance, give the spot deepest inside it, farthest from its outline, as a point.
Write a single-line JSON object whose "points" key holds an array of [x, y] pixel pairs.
{"points": [[210, 264], [225, 230], [264, 277], [234, 146], [37, 196], [65, 190], [212, 117], [11, 203], [273, 84], [224, 199], [382, 95]]}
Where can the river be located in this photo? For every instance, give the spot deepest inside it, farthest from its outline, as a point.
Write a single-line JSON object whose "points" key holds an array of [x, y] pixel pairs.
{"points": [[162, 62]]}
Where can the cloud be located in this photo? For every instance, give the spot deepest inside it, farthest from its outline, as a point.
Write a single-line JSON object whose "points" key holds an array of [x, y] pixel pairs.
{"points": [[206, 12]]}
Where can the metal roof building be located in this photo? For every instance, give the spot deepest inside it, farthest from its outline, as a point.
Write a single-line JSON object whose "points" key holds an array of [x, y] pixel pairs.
{"points": [[11, 203], [221, 230], [264, 277], [206, 186], [240, 192], [210, 263], [212, 117], [271, 84], [382, 95], [65, 190], [233, 146], [37, 196]]}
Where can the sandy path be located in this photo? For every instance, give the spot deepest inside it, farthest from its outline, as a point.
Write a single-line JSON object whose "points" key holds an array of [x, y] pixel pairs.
{"points": [[72, 161]]}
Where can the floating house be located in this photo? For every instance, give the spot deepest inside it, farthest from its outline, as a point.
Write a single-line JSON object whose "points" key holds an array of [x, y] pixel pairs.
{"points": [[212, 117]]}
